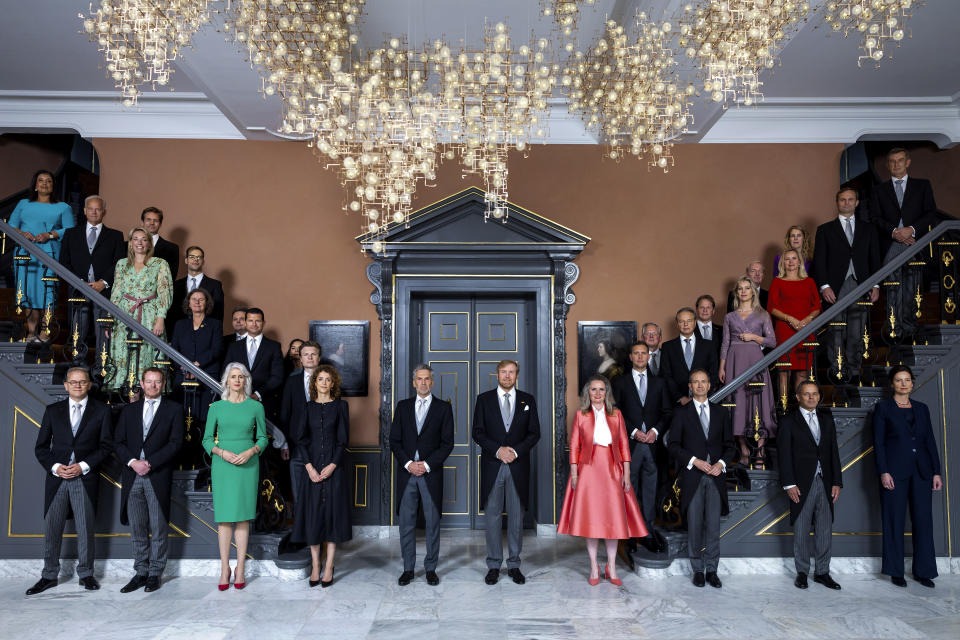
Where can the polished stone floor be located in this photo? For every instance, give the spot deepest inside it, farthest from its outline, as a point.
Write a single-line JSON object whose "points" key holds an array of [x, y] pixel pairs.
{"points": [[366, 602]]}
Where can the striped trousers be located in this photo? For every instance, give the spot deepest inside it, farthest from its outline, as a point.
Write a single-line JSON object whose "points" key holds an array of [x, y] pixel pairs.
{"points": [[815, 512], [70, 496], [148, 529]]}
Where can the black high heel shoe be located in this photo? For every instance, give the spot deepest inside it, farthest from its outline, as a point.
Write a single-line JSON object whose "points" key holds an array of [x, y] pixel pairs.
{"points": [[326, 583]]}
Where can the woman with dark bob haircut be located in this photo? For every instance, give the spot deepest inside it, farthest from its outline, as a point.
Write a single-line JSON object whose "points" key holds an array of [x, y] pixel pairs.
{"points": [[909, 467]]}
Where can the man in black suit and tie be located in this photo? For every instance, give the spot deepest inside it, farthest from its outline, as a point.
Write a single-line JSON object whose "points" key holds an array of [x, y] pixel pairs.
{"points": [[506, 426], [148, 436], [91, 253], [196, 278], [810, 458], [707, 329], [903, 210], [845, 253], [152, 219], [755, 271], [74, 438], [652, 334], [421, 438], [684, 354], [239, 322], [264, 358], [296, 395], [701, 445], [643, 400]]}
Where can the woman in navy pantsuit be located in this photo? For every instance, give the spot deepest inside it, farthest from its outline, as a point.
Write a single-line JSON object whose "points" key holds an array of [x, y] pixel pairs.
{"points": [[909, 468]]}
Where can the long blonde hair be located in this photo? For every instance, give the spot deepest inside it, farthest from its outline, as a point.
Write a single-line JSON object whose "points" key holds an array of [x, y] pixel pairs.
{"points": [[782, 269], [806, 251], [736, 294], [130, 254]]}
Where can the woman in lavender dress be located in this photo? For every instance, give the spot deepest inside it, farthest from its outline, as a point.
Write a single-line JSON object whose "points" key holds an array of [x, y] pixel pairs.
{"points": [[747, 329]]}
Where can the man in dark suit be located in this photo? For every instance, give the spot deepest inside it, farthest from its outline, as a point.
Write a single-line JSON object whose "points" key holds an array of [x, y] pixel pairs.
{"points": [[506, 426], [91, 253], [239, 322], [903, 210], [152, 219], [755, 271], [196, 278], [707, 329], [643, 400], [421, 438], [652, 335], [810, 458], [684, 354], [74, 438], [701, 445], [296, 395], [264, 358], [846, 252], [148, 436]]}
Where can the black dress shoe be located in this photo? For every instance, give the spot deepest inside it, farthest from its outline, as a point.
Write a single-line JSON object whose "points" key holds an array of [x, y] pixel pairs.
{"points": [[432, 578], [662, 544], [405, 578], [153, 583], [42, 585], [90, 583], [927, 582], [135, 583], [827, 581], [492, 576], [516, 576], [898, 580], [713, 580], [698, 580], [801, 581]]}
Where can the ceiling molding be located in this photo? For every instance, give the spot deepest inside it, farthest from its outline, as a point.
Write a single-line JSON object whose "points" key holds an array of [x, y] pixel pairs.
{"points": [[99, 114], [840, 119]]}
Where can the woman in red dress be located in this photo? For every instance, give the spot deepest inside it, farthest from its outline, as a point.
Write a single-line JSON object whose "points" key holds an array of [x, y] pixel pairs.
{"points": [[794, 303], [600, 502]]}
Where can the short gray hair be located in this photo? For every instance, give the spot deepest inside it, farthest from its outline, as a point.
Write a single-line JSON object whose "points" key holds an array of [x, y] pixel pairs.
{"points": [[423, 366], [103, 203], [248, 385], [643, 329]]}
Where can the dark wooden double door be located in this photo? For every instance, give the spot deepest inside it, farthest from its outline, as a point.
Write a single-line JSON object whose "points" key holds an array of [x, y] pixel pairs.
{"points": [[463, 339]]}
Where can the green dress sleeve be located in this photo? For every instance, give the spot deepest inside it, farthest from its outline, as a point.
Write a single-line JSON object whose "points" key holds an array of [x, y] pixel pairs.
{"points": [[164, 289], [260, 419], [210, 428]]}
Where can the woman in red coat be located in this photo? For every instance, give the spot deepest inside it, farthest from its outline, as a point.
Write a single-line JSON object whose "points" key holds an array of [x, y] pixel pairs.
{"points": [[600, 502]]}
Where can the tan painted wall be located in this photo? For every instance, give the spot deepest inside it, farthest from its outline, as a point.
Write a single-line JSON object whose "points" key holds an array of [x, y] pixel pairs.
{"points": [[19, 160], [270, 220]]}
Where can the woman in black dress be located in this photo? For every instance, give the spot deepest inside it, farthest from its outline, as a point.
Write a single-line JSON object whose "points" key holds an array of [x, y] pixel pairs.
{"points": [[200, 338], [322, 514]]}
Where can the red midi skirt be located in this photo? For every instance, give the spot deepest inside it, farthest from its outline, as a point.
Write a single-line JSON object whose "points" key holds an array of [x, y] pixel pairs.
{"points": [[599, 507]]}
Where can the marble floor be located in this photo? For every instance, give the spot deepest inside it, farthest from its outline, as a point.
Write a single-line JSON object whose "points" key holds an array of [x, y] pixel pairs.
{"points": [[556, 602]]}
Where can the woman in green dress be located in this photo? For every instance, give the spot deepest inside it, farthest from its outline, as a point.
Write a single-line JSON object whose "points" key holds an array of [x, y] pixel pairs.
{"points": [[142, 287], [234, 437]]}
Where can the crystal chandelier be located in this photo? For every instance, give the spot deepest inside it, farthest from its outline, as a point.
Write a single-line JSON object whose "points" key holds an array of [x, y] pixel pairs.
{"points": [[877, 21], [627, 90], [733, 40], [566, 15], [139, 39]]}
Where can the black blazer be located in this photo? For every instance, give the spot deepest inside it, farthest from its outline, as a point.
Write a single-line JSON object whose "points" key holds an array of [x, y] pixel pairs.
{"points": [[686, 441], [267, 368], [160, 449], [673, 367], [203, 345], [434, 442], [919, 209], [832, 253], [655, 413], [210, 285], [716, 333], [490, 433], [292, 402], [799, 455], [228, 340], [170, 252], [764, 297], [900, 447], [55, 443], [75, 256]]}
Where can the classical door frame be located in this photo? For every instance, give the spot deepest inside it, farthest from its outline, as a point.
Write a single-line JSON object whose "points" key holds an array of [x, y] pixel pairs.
{"points": [[447, 246]]}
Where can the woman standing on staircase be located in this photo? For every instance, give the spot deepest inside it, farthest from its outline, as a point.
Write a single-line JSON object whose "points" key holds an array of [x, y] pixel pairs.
{"points": [[41, 219]]}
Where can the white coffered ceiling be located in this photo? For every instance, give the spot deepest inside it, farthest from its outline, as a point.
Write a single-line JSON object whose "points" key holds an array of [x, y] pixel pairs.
{"points": [[51, 77]]}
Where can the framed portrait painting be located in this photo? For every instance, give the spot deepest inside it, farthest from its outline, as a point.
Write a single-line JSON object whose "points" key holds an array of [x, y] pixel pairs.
{"points": [[345, 344], [602, 348]]}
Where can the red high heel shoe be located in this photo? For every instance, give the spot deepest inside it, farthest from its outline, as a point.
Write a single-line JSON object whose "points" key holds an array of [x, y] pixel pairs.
{"points": [[593, 581], [224, 587], [238, 585], [616, 581]]}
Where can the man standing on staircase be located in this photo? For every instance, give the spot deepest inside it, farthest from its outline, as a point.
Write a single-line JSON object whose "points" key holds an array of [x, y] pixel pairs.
{"points": [[903, 210]]}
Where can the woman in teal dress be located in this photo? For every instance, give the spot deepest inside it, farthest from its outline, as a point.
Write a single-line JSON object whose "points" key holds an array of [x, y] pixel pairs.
{"points": [[41, 219], [142, 287], [234, 437]]}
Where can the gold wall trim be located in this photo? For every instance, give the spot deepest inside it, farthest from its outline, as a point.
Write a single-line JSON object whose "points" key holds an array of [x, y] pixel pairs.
{"points": [[356, 483], [946, 464], [516, 332]]}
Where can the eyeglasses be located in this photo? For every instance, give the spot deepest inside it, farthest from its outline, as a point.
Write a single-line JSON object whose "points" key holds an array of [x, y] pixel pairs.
{"points": [[77, 383], [194, 257]]}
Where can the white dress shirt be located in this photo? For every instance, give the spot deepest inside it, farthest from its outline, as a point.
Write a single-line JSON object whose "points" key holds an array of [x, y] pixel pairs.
{"points": [[426, 409], [84, 467], [601, 430], [197, 278], [696, 406]]}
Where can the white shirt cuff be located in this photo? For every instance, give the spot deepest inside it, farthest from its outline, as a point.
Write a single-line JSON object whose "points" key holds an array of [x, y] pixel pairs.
{"points": [[723, 464], [690, 464], [84, 467], [53, 469], [514, 451], [826, 286], [654, 432], [633, 434], [407, 466], [788, 487], [130, 462], [427, 467]]}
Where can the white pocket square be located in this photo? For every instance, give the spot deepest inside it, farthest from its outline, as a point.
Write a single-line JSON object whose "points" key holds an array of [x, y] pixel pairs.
{"points": [[526, 407]]}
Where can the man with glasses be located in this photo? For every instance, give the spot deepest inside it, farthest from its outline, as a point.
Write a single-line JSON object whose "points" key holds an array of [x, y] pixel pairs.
{"points": [[197, 279], [74, 438]]}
